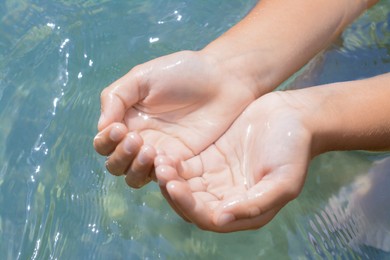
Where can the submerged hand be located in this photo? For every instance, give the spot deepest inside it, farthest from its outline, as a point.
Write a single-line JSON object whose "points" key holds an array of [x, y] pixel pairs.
{"points": [[247, 176], [178, 104]]}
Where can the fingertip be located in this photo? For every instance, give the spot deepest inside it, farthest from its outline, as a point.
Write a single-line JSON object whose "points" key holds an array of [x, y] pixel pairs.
{"points": [[136, 184], [107, 139], [194, 210], [110, 169], [162, 160], [224, 219], [133, 142], [164, 174], [146, 155], [117, 132], [122, 153], [172, 188], [180, 191], [96, 141]]}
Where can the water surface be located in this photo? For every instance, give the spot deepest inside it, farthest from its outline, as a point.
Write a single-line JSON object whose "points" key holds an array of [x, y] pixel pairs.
{"points": [[56, 199]]}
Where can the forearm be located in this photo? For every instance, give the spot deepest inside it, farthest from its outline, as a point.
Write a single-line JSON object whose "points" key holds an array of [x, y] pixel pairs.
{"points": [[351, 115], [278, 37]]}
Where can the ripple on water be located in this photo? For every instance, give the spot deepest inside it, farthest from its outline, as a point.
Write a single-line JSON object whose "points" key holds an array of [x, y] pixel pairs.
{"points": [[363, 50], [55, 57], [355, 222]]}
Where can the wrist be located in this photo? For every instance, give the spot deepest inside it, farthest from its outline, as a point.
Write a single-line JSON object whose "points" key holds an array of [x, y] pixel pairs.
{"points": [[321, 117], [274, 40], [347, 115], [309, 109], [253, 68]]}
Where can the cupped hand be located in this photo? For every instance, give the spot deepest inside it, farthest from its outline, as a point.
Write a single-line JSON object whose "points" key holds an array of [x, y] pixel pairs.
{"points": [[178, 104], [248, 175]]}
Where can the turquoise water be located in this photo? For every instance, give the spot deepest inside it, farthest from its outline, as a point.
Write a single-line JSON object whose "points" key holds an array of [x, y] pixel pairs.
{"points": [[56, 199]]}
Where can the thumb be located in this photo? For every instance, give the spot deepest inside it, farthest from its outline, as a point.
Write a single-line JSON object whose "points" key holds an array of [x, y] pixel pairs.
{"points": [[269, 194], [117, 98]]}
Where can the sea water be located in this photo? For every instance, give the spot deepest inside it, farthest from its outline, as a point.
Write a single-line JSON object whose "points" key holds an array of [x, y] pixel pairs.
{"points": [[57, 201]]}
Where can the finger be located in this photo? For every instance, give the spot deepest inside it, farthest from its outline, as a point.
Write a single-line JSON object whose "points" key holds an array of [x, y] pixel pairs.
{"points": [[140, 171], [185, 169], [164, 173], [270, 193], [247, 223], [179, 191], [196, 183], [120, 96], [203, 215], [195, 208], [106, 140], [160, 163], [120, 160]]}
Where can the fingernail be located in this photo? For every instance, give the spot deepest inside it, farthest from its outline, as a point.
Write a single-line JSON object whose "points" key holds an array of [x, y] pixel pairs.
{"points": [[142, 157], [101, 119], [224, 219], [115, 134], [171, 186], [97, 136], [128, 146]]}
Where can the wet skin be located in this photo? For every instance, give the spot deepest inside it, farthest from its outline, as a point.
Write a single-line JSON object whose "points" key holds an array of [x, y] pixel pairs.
{"points": [[247, 176], [178, 104]]}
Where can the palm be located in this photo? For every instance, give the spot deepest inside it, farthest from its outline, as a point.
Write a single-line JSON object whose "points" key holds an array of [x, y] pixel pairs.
{"points": [[258, 163], [184, 104], [178, 104]]}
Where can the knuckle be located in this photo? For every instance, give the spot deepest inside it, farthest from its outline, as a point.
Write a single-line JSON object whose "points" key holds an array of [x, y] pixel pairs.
{"points": [[136, 182], [113, 170], [254, 212], [204, 227], [105, 92], [291, 192]]}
